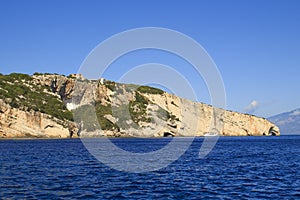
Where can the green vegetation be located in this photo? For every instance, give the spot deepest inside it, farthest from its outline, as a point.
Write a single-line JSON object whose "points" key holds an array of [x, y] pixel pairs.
{"points": [[130, 87], [71, 76], [165, 115], [162, 114], [85, 115], [41, 74], [149, 90], [101, 111], [110, 85], [172, 117], [19, 92], [15, 77], [113, 86], [138, 108], [93, 118], [122, 113], [38, 74]]}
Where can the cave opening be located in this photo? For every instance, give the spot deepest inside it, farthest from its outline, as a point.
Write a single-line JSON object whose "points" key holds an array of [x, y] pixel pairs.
{"points": [[272, 132], [168, 134]]}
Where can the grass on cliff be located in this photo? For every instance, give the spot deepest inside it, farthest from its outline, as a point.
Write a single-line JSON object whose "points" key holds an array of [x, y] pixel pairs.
{"points": [[20, 92]]}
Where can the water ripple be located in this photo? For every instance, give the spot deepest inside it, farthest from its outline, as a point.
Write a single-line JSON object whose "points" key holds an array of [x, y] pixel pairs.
{"points": [[237, 168]]}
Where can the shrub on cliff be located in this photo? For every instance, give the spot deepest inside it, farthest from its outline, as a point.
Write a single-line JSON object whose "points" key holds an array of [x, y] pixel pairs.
{"points": [[93, 118], [138, 108], [19, 92], [149, 90], [110, 85]]}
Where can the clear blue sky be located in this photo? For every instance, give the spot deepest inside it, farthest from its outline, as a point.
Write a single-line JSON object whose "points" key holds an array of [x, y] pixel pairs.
{"points": [[255, 43]]}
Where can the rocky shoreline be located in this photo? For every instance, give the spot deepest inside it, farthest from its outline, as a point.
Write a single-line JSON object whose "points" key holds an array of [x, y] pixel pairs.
{"points": [[55, 106]]}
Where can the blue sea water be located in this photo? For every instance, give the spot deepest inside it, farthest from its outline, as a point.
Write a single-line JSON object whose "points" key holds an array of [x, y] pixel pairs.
{"points": [[237, 168]]}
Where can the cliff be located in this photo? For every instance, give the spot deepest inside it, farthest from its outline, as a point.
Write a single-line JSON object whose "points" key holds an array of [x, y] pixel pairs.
{"points": [[49, 105], [29, 109], [17, 123]]}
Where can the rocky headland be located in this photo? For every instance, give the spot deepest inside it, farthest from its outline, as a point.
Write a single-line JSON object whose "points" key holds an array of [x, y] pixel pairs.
{"points": [[56, 106]]}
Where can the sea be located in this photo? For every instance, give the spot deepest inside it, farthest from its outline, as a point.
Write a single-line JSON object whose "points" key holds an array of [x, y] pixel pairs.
{"points": [[236, 168]]}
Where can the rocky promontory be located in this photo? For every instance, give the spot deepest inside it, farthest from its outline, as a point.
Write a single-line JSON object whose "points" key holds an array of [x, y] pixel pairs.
{"points": [[56, 106]]}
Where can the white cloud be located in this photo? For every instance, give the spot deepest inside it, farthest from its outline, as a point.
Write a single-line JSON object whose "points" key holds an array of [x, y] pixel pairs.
{"points": [[252, 107]]}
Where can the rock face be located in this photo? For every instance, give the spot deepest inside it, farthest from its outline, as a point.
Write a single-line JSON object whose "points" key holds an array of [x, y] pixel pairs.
{"points": [[105, 108], [16, 123], [198, 119], [29, 108]]}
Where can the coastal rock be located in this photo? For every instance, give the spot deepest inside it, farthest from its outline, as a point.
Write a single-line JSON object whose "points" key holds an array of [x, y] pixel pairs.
{"points": [[16, 123], [197, 119], [105, 108]]}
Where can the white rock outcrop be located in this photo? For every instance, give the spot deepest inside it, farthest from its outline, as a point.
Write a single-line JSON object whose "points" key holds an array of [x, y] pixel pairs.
{"points": [[197, 119]]}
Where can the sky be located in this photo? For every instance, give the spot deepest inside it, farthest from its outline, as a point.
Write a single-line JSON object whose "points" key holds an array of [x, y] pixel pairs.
{"points": [[255, 44]]}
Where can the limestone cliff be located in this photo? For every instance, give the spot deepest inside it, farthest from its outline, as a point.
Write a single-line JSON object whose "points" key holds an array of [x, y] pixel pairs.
{"points": [[16, 123], [30, 109], [202, 116], [106, 108]]}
